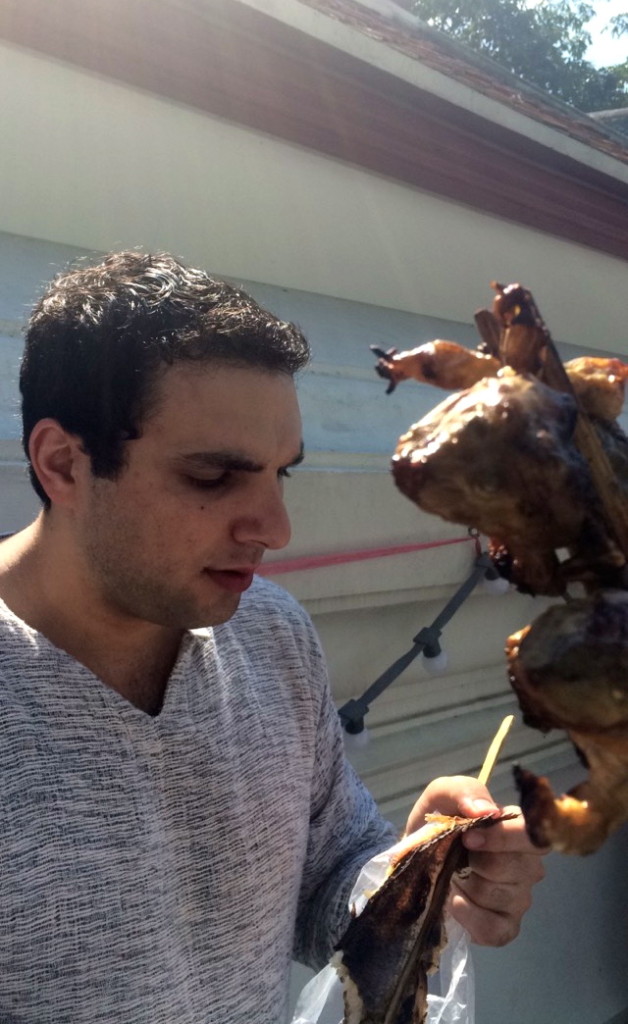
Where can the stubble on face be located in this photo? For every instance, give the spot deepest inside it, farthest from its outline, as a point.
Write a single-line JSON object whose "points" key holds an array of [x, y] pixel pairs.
{"points": [[134, 572], [151, 540]]}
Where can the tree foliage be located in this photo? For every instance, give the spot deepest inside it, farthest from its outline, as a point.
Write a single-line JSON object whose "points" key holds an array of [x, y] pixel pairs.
{"points": [[544, 43]]}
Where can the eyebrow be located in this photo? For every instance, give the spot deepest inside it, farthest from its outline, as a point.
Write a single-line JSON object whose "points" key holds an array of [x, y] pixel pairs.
{"points": [[233, 461]]}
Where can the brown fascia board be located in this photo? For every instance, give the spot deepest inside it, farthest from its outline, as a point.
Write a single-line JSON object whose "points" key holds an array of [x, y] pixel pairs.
{"points": [[439, 51], [234, 62]]}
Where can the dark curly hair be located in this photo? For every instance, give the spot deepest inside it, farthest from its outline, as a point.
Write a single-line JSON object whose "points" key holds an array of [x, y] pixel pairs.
{"points": [[99, 336]]}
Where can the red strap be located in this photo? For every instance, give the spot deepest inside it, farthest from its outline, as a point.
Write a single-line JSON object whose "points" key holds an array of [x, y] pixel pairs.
{"points": [[340, 558]]}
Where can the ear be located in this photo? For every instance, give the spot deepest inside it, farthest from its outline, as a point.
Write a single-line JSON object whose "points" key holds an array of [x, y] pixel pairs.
{"points": [[58, 461]]}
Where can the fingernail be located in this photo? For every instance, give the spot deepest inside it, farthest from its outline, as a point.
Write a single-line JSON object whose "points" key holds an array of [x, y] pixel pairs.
{"points": [[482, 806]]}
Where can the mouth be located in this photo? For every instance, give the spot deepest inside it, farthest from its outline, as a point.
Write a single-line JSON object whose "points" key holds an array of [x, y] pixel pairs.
{"points": [[235, 581]]}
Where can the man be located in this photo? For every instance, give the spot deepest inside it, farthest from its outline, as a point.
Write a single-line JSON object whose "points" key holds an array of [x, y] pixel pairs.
{"points": [[177, 819]]}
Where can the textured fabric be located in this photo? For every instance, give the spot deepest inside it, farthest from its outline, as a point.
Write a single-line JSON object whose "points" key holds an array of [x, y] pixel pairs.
{"points": [[165, 870]]}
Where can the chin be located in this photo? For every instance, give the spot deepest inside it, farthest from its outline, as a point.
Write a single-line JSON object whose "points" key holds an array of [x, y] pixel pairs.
{"points": [[216, 614]]}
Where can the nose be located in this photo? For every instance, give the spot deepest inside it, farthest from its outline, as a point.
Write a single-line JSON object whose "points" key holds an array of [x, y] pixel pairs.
{"points": [[265, 521]]}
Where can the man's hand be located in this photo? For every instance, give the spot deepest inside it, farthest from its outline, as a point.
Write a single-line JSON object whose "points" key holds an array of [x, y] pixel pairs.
{"points": [[504, 865]]}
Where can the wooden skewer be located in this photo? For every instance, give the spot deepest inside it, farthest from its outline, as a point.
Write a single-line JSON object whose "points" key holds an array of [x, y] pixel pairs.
{"points": [[494, 750], [489, 331], [614, 506]]}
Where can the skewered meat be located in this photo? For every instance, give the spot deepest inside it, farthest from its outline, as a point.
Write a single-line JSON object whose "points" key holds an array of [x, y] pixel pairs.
{"points": [[397, 929], [500, 457], [442, 363], [599, 383], [569, 670], [532, 457], [387, 952]]}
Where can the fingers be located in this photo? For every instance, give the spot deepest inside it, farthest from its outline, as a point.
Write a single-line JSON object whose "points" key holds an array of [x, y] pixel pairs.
{"points": [[455, 794], [485, 927], [491, 899], [507, 869], [491, 907], [507, 836], [504, 867]]}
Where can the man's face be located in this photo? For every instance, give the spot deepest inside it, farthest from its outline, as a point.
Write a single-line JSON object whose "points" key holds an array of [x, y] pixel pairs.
{"points": [[175, 539]]}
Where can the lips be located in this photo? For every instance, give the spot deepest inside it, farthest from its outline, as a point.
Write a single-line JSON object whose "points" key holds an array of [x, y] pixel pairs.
{"points": [[235, 581]]}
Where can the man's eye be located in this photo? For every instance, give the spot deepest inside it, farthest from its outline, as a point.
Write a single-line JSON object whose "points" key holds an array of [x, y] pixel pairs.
{"points": [[284, 473], [208, 483]]}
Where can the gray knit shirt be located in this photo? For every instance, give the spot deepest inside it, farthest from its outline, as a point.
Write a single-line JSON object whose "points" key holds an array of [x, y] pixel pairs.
{"points": [[165, 870]]}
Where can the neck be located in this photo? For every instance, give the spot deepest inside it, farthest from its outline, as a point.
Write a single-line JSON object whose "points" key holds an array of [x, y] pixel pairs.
{"points": [[131, 656]]}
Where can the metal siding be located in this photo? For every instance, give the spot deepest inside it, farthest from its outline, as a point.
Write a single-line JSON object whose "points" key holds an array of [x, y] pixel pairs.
{"points": [[367, 614]]}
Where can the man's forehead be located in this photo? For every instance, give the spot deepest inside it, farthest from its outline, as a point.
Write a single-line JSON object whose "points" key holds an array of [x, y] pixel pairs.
{"points": [[208, 382], [224, 414]]}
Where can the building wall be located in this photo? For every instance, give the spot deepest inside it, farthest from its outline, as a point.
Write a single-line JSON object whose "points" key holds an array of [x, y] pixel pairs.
{"points": [[88, 165], [367, 614], [88, 162]]}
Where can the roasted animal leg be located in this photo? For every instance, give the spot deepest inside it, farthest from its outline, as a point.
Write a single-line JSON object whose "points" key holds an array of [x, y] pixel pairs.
{"points": [[569, 670]]}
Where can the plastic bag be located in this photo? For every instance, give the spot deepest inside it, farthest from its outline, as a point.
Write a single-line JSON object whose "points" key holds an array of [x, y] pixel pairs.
{"points": [[451, 994]]}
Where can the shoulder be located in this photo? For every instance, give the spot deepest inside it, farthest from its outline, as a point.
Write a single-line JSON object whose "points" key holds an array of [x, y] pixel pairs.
{"points": [[272, 632], [17, 635]]}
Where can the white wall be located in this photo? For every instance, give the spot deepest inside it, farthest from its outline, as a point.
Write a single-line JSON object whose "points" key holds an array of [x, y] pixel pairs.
{"points": [[91, 163]]}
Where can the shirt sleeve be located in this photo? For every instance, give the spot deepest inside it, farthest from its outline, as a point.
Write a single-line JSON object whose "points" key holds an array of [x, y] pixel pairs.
{"points": [[346, 830]]}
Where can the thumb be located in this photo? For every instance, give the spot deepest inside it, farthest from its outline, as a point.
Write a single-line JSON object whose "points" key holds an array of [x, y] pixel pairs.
{"points": [[454, 794]]}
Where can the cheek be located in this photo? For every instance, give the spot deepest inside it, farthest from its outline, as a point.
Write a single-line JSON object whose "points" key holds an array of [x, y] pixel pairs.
{"points": [[170, 520], [189, 523]]}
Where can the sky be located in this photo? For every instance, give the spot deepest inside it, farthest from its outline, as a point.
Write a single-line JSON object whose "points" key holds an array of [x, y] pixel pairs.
{"points": [[605, 50]]}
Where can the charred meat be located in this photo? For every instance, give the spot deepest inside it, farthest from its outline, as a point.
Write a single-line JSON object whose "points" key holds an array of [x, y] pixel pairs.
{"points": [[387, 952], [500, 457], [569, 670], [531, 456]]}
